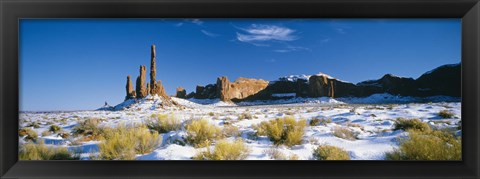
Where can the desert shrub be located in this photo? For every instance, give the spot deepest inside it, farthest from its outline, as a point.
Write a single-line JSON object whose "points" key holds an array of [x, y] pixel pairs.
{"points": [[230, 131], [30, 134], [200, 132], [275, 154], [428, 145], [46, 133], [41, 152], [122, 143], [211, 114], [33, 124], [54, 128], [354, 125], [245, 116], [406, 124], [64, 135], [88, 127], [293, 157], [326, 152], [344, 133], [146, 141], [283, 130], [224, 150], [321, 121], [163, 123], [446, 114]]}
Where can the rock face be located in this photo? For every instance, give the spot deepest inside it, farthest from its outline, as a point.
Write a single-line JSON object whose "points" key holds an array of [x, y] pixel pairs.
{"points": [[444, 80], [243, 88], [156, 87], [320, 85], [153, 70], [141, 89], [391, 84], [129, 89], [240, 89], [161, 90], [181, 93], [148, 88], [206, 92], [223, 88], [190, 95]]}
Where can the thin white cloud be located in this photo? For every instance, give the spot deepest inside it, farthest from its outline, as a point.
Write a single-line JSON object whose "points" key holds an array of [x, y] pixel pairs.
{"points": [[210, 34], [292, 49], [262, 33], [339, 27], [196, 21], [270, 60], [179, 24], [325, 40]]}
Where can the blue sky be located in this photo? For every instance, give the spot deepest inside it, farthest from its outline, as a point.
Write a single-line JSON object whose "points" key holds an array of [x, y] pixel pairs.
{"points": [[80, 64]]}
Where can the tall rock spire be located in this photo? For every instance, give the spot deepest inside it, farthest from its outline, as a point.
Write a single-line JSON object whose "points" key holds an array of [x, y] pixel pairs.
{"points": [[141, 89], [129, 89], [153, 71]]}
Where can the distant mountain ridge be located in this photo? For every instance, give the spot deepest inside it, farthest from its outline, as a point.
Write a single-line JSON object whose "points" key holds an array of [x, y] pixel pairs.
{"points": [[444, 80]]}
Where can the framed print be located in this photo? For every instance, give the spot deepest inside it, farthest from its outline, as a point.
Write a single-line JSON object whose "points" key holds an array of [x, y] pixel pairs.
{"points": [[216, 88]]}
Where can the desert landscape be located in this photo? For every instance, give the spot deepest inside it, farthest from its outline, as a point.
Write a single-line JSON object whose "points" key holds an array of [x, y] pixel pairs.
{"points": [[296, 117]]}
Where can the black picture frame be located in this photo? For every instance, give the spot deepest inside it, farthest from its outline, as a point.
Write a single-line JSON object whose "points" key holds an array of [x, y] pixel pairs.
{"points": [[12, 10]]}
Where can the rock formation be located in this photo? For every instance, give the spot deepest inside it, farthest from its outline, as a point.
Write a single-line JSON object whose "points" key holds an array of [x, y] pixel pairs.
{"points": [[444, 80], [156, 87], [129, 89], [148, 88], [243, 88], [141, 89], [181, 93], [190, 95], [153, 70], [391, 84], [160, 90], [319, 85], [240, 89], [223, 88]]}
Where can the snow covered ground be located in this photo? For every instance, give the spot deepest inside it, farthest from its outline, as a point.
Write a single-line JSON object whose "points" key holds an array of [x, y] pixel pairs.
{"points": [[370, 118]]}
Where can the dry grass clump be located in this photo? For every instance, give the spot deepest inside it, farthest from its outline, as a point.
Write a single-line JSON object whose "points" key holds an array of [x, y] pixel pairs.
{"points": [[163, 123], [41, 152], [201, 132], [326, 152], [230, 131], [30, 134], [122, 143], [55, 128], [245, 116], [428, 145], [285, 130], [406, 124], [321, 121], [344, 133], [446, 114], [276, 154], [89, 128], [46, 133], [354, 125], [225, 150], [33, 124]]}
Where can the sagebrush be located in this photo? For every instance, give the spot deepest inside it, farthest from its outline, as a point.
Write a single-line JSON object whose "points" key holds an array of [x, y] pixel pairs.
{"points": [[285, 130], [225, 150], [326, 152]]}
